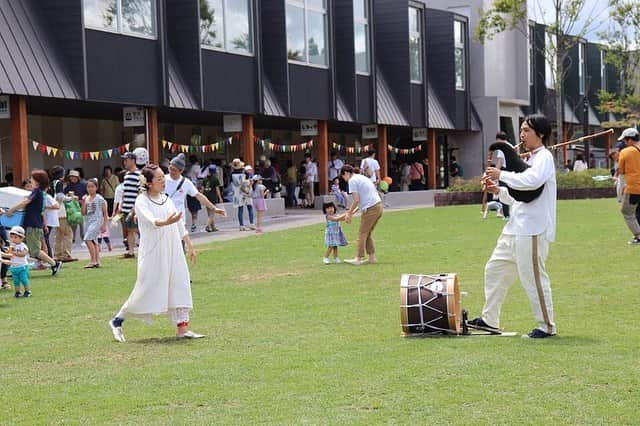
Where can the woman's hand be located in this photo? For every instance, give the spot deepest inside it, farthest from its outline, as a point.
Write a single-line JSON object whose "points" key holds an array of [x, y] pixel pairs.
{"points": [[192, 254], [173, 218], [221, 212]]}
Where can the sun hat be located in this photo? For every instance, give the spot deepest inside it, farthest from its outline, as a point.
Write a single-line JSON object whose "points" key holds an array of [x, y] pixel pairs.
{"points": [[630, 132], [74, 173], [237, 164], [142, 156], [248, 167], [17, 230]]}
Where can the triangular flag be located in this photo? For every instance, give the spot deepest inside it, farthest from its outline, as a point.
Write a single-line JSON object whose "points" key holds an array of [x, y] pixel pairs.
{"points": [[48, 150], [35, 145], [164, 143], [55, 151]]}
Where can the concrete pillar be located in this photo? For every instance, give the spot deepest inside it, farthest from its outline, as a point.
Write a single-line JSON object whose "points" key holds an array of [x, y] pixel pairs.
{"points": [[323, 156], [383, 151], [153, 143], [19, 138], [248, 152], [432, 156]]}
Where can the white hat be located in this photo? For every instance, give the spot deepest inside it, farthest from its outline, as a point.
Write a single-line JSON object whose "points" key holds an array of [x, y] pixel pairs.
{"points": [[257, 177], [142, 156], [631, 132], [248, 167], [18, 230]]}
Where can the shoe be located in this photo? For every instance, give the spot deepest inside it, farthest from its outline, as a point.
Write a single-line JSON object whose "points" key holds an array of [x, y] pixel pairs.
{"points": [[68, 259], [128, 256], [208, 229], [5, 285], [242, 228], [372, 259], [258, 230], [252, 226], [56, 268], [117, 332], [214, 229], [500, 215], [190, 335], [27, 294], [635, 241], [536, 333], [484, 214], [337, 260], [326, 260], [355, 261], [479, 324], [193, 228], [17, 295]]}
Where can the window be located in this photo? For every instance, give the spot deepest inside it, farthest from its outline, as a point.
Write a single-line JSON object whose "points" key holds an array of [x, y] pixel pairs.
{"points": [[415, 44], [460, 63], [603, 72], [135, 17], [581, 77], [307, 31], [549, 66], [361, 34], [226, 25]]}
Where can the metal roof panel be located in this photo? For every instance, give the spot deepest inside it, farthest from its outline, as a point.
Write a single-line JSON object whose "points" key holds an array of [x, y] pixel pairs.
{"points": [[388, 110], [438, 117], [180, 95]]}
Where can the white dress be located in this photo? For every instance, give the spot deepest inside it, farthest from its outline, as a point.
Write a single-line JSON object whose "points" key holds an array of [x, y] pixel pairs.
{"points": [[163, 282]]}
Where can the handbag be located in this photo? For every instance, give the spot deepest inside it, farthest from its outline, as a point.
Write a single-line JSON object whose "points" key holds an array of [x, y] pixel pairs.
{"points": [[74, 212]]}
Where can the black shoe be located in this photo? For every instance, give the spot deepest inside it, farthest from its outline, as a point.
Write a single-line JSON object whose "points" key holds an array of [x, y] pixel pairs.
{"points": [[27, 294], [635, 241], [17, 295], [479, 324], [536, 333], [56, 268]]}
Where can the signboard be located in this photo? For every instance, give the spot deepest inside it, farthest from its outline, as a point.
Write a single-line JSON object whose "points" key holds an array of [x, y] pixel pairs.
{"points": [[133, 116], [419, 134], [308, 127], [232, 123], [370, 131], [5, 112]]}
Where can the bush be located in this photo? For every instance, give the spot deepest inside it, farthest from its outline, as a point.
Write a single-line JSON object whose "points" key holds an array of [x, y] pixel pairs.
{"points": [[565, 180]]}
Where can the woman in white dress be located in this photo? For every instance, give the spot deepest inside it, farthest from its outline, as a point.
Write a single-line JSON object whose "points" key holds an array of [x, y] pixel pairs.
{"points": [[163, 282]]}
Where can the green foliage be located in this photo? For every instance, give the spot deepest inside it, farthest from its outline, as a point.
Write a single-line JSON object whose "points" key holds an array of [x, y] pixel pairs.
{"points": [[465, 185], [502, 15], [627, 107], [292, 341]]}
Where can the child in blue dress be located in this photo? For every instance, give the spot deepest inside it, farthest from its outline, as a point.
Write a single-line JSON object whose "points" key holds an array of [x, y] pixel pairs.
{"points": [[333, 235]]}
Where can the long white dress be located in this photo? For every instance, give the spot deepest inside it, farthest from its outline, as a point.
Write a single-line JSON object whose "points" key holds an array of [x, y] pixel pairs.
{"points": [[163, 282]]}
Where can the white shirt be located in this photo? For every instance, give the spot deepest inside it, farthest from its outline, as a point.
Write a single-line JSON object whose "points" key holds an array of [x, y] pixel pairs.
{"points": [[366, 191], [373, 165], [20, 260], [117, 194], [311, 172], [539, 216], [179, 196], [497, 155], [51, 215], [334, 168], [579, 166]]}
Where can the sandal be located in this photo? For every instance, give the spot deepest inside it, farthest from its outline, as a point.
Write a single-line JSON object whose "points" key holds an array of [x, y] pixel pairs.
{"points": [[90, 265]]}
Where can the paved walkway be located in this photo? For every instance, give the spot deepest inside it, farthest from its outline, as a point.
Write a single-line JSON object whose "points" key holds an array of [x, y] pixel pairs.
{"points": [[229, 230]]}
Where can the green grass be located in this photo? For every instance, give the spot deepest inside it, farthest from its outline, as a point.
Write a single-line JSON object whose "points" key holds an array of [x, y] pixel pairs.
{"points": [[293, 341]]}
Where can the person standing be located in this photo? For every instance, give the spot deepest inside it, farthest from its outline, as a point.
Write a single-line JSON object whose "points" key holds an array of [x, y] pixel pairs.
{"points": [[130, 191], [523, 245], [629, 167], [241, 193], [163, 282], [108, 186], [416, 176], [292, 183], [211, 189], [76, 187], [94, 210], [500, 162], [310, 177], [335, 165], [366, 198], [370, 167], [579, 165], [64, 234]]}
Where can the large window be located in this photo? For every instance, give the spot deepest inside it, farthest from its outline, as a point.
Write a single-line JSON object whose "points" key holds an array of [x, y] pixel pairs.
{"points": [[581, 73], [603, 72], [226, 25], [135, 17], [361, 34], [415, 44], [459, 54], [532, 59], [549, 66], [307, 31]]}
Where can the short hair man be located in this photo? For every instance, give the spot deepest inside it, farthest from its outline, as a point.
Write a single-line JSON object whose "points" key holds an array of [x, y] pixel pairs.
{"points": [[629, 167], [131, 189]]}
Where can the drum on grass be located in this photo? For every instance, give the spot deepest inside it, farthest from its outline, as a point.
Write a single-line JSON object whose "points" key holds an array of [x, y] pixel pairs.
{"points": [[430, 304]]}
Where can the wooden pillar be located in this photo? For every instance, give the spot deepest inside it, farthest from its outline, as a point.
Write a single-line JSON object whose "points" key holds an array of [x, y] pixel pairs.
{"points": [[248, 152], [607, 150], [432, 156], [564, 155], [383, 151], [153, 144], [19, 138], [323, 156]]}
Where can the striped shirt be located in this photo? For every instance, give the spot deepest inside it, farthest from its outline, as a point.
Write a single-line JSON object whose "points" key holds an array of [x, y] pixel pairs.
{"points": [[131, 186]]}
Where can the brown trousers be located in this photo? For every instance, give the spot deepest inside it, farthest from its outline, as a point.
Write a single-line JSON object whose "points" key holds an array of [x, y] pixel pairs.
{"points": [[64, 235], [368, 222]]}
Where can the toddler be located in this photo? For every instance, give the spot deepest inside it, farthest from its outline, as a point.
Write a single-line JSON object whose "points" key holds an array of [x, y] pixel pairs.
{"points": [[333, 235], [259, 204], [17, 260], [341, 196]]}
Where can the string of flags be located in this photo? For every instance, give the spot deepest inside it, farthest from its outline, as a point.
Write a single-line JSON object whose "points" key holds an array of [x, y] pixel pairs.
{"points": [[267, 144], [212, 147], [352, 149], [53, 151], [404, 151]]}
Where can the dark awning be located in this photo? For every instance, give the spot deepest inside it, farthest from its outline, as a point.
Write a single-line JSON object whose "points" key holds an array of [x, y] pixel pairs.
{"points": [[343, 111], [438, 117], [29, 63], [388, 110], [180, 95], [271, 104]]}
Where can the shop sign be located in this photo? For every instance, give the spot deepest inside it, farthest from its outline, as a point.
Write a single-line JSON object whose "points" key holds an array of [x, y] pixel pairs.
{"points": [[308, 127], [232, 123], [4, 107], [370, 131], [419, 134], [133, 116]]}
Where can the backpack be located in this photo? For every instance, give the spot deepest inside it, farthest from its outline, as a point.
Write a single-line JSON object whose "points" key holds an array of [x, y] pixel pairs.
{"points": [[366, 170], [74, 212]]}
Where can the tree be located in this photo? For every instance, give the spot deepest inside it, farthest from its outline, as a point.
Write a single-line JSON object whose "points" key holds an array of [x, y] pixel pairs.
{"points": [[208, 25], [568, 24], [622, 39]]}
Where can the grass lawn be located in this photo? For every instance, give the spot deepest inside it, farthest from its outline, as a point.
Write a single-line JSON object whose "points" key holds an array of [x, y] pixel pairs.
{"points": [[291, 340]]}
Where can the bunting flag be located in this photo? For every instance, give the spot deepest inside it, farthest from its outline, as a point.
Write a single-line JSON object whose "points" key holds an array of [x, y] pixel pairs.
{"points": [[212, 147], [66, 154], [266, 144], [405, 151], [352, 149]]}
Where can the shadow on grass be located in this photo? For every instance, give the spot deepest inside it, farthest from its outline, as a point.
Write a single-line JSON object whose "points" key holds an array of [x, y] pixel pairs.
{"points": [[564, 340], [172, 340]]}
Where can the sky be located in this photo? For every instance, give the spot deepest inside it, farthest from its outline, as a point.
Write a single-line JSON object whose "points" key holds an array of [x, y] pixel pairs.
{"points": [[543, 11]]}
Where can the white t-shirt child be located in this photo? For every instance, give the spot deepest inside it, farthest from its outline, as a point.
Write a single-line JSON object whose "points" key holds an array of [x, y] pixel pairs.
{"points": [[179, 195]]}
